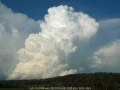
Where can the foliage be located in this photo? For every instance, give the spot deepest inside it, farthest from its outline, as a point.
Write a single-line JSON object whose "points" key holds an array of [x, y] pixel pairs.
{"points": [[97, 81]]}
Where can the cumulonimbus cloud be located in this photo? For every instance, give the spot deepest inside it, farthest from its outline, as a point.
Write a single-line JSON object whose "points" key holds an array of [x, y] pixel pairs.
{"points": [[65, 42], [45, 53]]}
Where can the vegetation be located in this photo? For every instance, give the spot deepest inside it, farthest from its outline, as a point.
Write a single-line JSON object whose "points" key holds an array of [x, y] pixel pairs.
{"points": [[93, 81]]}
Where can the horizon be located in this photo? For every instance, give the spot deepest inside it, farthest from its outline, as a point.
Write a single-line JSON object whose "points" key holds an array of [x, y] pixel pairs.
{"points": [[63, 76]]}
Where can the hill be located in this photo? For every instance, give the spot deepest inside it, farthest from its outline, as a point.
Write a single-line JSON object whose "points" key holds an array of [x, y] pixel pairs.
{"points": [[83, 81]]}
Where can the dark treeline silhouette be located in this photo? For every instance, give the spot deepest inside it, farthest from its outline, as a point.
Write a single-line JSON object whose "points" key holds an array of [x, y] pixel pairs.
{"points": [[97, 81]]}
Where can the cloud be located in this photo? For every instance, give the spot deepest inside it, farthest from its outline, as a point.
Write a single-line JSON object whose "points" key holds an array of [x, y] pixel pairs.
{"points": [[108, 57], [108, 31], [14, 29], [66, 42], [106, 43], [46, 53]]}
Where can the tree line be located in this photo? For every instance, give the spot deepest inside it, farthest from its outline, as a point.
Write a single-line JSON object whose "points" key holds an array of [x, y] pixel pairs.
{"points": [[97, 81]]}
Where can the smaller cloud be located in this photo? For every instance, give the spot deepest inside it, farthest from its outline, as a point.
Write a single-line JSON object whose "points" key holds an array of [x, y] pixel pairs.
{"points": [[81, 68], [2, 29], [108, 57], [72, 71], [15, 32]]}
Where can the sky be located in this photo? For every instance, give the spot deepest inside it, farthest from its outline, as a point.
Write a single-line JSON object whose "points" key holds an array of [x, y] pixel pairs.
{"points": [[42, 39]]}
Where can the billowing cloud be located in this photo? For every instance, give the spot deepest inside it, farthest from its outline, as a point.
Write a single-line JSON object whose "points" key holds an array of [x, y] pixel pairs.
{"points": [[46, 53], [14, 29]]}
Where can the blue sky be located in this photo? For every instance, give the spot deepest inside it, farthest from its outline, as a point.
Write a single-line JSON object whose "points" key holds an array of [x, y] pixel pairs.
{"points": [[99, 9], [48, 38]]}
